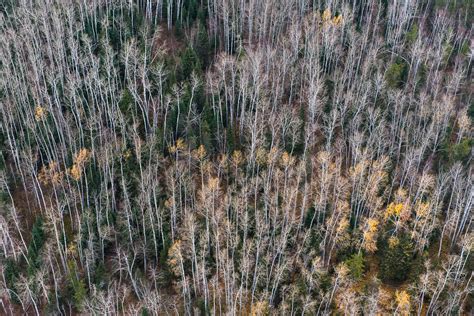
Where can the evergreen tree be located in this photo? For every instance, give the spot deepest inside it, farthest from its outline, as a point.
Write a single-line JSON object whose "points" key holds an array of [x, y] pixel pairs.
{"points": [[396, 257]]}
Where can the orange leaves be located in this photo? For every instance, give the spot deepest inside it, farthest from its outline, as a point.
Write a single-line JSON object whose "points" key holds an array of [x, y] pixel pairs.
{"points": [[79, 161], [75, 172], [287, 160], [175, 257], [82, 156]]}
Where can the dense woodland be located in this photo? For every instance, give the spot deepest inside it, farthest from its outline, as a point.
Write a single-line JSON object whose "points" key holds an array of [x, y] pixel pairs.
{"points": [[251, 157]]}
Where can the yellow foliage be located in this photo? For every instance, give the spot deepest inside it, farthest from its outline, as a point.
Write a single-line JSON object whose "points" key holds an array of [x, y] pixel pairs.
{"points": [[324, 157], [79, 160], [237, 157], [337, 20], [394, 210], [169, 203], [57, 177], [213, 183], [422, 209], [370, 240], [174, 257], [200, 153], [403, 302], [326, 14], [75, 172], [260, 308], [179, 146], [343, 225], [393, 242], [372, 225], [51, 173], [40, 113], [127, 154], [287, 160], [82, 156], [72, 249], [261, 156]]}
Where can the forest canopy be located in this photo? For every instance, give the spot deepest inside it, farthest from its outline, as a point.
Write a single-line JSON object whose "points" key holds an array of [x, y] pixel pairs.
{"points": [[258, 157]]}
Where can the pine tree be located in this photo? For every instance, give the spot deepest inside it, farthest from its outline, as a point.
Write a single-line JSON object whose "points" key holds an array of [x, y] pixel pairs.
{"points": [[396, 257]]}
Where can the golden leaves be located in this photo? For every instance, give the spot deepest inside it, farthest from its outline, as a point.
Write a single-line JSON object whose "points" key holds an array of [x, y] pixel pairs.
{"points": [[40, 113], [79, 161], [179, 146], [394, 210], [75, 172], [237, 157], [261, 156], [326, 15], [259, 308], [50, 174], [403, 302], [337, 20], [174, 257], [343, 225], [422, 209], [169, 203], [213, 184], [370, 240], [82, 156], [200, 152], [287, 160], [127, 154], [393, 241]]}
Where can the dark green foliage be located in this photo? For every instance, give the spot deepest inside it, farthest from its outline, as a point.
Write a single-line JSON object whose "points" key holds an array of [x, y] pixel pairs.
{"points": [[308, 221], [99, 277], [34, 248], [163, 263], [462, 151], [412, 34], [396, 74], [421, 75], [396, 260], [76, 287], [451, 153], [126, 105], [203, 47], [11, 274], [189, 62], [356, 265], [201, 305]]}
